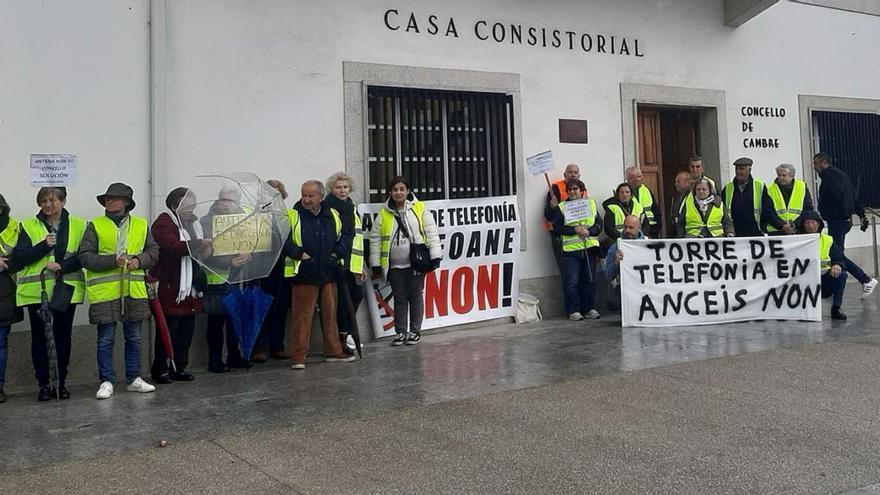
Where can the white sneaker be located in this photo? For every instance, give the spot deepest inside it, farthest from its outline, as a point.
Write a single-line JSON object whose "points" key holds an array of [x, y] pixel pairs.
{"points": [[575, 316], [592, 314], [105, 391], [298, 366], [868, 288], [140, 386]]}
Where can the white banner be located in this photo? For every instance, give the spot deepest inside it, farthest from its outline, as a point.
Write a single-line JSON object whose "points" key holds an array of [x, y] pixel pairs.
{"points": [[52, 170], [478, 278], [671, 282]]}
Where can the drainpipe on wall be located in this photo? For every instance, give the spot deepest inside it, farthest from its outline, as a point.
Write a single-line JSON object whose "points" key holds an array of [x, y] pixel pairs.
{"points": [[158, 100]]}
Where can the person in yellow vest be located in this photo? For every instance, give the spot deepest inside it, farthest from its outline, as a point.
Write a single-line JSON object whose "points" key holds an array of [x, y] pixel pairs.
{"points": [[645, 197], [683, 185], [116, 249], [319, 245], [748, 203], [558, 193], [580, 250], [618, 207], [698, 171], [352, 279], [403, 222], [9, 311], [790, 198], [832, 263], [49, 241], [704, 214]]}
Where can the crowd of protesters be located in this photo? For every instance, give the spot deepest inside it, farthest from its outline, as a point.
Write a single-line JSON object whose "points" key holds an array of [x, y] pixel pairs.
{"points": [[54, 261], [744, 207]]}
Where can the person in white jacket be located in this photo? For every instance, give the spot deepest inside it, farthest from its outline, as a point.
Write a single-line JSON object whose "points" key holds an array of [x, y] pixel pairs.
{"points": [[403, 223]]}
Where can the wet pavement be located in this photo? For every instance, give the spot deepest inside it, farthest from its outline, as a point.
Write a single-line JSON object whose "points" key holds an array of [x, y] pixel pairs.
{"points": [[464, 397]]}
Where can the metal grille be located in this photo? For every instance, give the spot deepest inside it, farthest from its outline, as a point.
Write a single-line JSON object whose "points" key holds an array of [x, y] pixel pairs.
{"points": [[853, 141], [447, 144]]}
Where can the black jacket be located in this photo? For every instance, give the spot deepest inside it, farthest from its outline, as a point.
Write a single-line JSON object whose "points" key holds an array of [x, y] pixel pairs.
{"points": [[26, 253], [742, 210], [559, 228], [9, 312], [318, 233], [837, 198]]}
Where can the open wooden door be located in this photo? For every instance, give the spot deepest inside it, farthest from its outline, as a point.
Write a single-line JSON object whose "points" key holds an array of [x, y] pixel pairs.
{"points": [[650, 151]]}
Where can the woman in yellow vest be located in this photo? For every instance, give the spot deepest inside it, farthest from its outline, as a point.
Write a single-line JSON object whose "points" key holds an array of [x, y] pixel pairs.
{"points": [[704, 214], [9, 312], [832, 262], [50, 241], [580, 250], [618, 207], [402, 222], [339, 188], [116, 249]]}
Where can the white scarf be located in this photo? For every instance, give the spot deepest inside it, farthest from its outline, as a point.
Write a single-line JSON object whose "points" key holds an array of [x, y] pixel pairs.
{"points": [[703, 204], [185, 287]]}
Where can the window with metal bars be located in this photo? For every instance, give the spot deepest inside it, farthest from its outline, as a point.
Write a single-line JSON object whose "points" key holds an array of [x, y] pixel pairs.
{"points": [[447, 144]]}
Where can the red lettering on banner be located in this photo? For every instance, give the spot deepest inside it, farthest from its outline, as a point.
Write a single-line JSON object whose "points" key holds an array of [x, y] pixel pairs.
{"points": [[436, 293], [463, 290], [487, 287]]}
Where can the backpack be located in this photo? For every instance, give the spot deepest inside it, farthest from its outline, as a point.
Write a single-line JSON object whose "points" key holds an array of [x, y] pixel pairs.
{"points": [[528, 309]]}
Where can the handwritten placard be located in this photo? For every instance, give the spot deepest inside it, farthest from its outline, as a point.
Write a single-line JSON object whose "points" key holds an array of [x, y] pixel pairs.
{"points": [[540, 163], [242, 233], [49, 170], [577, 210]]}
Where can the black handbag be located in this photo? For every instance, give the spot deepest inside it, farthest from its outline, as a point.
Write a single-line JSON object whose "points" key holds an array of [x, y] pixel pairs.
{"points": [[419, 254], [62, 294]]}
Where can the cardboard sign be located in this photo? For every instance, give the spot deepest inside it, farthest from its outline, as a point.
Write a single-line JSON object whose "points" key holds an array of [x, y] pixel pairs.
{"points": [[242, 233], [52, 170], [577, 210], [540, 163]]}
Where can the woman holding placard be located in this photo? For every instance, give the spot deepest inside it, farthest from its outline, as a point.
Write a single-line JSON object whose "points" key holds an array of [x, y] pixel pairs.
{"points": [[704, 214], [578, 224]]}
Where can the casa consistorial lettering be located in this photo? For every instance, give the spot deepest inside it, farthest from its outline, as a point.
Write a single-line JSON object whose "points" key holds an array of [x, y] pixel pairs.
{"points": [[511, 33]]}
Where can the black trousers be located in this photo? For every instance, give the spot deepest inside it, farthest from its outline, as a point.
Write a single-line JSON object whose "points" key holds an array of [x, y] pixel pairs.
{"points": [[62, 323], [343, 321], [215, 337], [181, 329], [271, 338]]}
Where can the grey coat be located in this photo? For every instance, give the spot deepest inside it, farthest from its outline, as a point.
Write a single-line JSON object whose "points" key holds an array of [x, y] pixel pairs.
{"points": [[109, 311]]}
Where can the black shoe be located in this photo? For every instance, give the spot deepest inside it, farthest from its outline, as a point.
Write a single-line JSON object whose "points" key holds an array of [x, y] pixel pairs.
{"points": [[413, 338], [2, 396], [164, 378], [400, 339], [63, 393], [182, 376], [237, 363], [836, 314], [46, 393], [218, 368]]}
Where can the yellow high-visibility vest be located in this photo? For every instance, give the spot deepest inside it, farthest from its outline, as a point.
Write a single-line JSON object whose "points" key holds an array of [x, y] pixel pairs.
{"points": [[620, 215], [791, 211], [646, 199], [115, 283], [693, 221], [28, 279], [9, 237], [356, 263], [825, 242], [386, 221], [757, 192], [291, 266], [572, 243]]}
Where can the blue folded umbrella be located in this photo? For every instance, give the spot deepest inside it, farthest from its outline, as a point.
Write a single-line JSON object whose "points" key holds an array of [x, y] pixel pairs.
{"points": [[247, 308]]}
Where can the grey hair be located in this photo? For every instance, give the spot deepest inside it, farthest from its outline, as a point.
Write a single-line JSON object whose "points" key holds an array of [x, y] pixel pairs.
{"points": [[316, 183], [336, 177], [787, 167], [630, 171]]}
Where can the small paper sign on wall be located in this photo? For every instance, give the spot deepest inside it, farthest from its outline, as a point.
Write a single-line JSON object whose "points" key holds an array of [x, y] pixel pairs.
{"points": [[540, 163], [48, 170]]}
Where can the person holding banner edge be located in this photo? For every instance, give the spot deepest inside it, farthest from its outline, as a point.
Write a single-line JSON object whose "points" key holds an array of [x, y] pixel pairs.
{"points": [[580, 249], [703, 214], [632, 229], [832, 263]]}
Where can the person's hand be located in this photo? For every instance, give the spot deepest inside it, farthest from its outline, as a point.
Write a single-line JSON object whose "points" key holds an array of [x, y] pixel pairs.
{"points": [[788, 229], [205, 247], [133, 263], [122, 261], [553, 201], [51, 239], [865, 223], [3, 265], [835, 271], [618, 255], [53, 267], [305, 256], [362, 276], [729, 234], [240, 259], [581, 231]]}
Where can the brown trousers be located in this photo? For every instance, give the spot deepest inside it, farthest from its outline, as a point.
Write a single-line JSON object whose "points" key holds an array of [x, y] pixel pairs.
{"points": [[303, 304]]}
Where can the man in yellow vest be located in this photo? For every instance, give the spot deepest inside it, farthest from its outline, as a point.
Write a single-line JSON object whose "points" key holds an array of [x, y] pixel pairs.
{"points": [[790, 198], [556, 195], [683, 185], [698, 171], [832, 263], [645, 197], [319, 243], [115, 251], [749, 204], [9, 312]]}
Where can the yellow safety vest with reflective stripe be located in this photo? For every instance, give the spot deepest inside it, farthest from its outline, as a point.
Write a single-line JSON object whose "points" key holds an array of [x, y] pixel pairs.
{"points": [[694, 224], [572, 243], [9, 237], [215, 278], [108, 285], [757, 193], [291, 266], [356, 263], [646, 200], [620, 215], [386, 221], [791, 211], [825, 242], [28, 280]]}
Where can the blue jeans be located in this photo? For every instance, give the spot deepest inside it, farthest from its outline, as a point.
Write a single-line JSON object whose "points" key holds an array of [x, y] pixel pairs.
{"points": [[578, 283], [833, 288], [131, 330], [838, 229], [4, 339]]}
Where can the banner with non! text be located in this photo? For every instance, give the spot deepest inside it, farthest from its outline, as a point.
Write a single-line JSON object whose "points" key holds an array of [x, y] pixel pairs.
{"points": [[478, 278], [674, 282]]}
